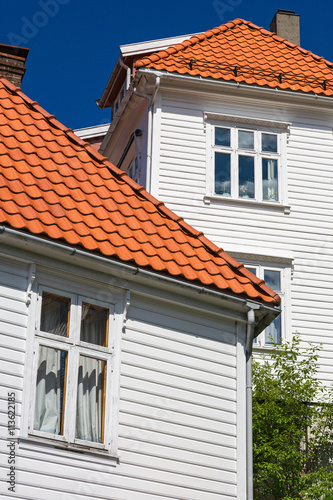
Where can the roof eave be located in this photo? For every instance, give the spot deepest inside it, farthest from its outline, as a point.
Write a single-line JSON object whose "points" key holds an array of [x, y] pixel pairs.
{"points": [[236, 85], [49, 247]]}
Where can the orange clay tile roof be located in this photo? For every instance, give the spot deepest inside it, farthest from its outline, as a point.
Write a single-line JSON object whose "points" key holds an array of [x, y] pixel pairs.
{"points": [[55, 185], [240, 51]]}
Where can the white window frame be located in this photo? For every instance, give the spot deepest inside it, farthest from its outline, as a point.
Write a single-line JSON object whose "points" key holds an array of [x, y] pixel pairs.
{"points": [[285, 276], [258, 126], [79, 293]]}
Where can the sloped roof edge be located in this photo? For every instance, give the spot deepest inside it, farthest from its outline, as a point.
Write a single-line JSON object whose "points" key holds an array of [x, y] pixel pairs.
{"points": [[265, 294]]}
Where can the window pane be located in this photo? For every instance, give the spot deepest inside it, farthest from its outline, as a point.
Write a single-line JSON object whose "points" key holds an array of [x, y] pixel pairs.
{"points": [[222, 136], [50, 390], [55, 314], [273, 332], [245, 140], [272, 279], [90, 400], [94, 324], [269, 143], [246, 176], [252, 270], [270, 180], [222, 173]]}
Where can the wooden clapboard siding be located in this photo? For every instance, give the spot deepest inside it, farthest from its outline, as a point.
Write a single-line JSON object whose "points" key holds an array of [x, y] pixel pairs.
{"points": [[177, 411], [136, 119], [306, 231], [13, 325]]}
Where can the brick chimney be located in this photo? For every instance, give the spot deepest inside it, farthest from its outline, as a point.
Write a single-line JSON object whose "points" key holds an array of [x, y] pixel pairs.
{"points": [[12, 63], [285, 24]]}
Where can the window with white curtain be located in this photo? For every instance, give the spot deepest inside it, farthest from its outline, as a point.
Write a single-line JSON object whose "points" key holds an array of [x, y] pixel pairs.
{"points": [[246, 163], [72, 369]]}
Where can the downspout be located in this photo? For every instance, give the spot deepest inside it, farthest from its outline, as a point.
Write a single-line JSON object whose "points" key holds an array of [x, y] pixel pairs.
{"points": [[249, 439], [149, 130], [128, 73]]}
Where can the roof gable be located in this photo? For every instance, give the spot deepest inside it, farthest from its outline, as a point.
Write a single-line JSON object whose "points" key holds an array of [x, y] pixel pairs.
{"points": [[243, 52], [55, 185]]}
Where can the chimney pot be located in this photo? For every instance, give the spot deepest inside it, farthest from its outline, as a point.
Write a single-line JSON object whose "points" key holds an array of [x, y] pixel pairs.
{"points": [[285, 24], [12, 63]]}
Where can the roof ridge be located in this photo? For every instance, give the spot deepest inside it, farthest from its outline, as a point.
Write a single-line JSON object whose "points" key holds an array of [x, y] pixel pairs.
{"points": [[191, 41], [155, 56]]}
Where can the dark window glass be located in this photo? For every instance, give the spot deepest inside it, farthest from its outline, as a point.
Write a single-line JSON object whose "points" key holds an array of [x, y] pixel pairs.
{"points": [[273, 279], [222, 173], [245, 139], [55, 314], [94, 324], [222, 136], [246, 176], [269, 143]]}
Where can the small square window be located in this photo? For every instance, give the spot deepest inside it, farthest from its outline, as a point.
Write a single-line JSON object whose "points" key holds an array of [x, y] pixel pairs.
{"points": [[245, 139], [55, 314], [94, 324], [269, 143], [222, 136]]}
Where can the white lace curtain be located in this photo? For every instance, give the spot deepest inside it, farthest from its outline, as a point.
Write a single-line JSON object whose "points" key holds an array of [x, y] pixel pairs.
{"points": [[90, 403], [49, 390]]}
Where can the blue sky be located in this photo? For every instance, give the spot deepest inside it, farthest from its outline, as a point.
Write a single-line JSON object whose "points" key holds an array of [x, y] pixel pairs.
{"points": [[74, 44]]}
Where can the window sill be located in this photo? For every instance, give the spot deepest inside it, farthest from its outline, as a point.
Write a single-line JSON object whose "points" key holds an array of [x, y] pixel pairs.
{"points": [[247, 201], [86, 450]]}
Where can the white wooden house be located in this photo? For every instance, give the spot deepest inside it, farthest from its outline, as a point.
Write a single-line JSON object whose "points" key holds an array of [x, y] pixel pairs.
{"points": [[125, 334], [232, 129]]}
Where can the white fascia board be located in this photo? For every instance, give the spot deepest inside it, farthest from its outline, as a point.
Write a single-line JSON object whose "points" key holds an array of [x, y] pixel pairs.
{"points": [[199, 82], [94, 131], [152, 45]]}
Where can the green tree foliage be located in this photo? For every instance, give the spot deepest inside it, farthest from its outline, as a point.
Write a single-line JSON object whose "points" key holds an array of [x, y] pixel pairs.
{"points": [[292, 426]]}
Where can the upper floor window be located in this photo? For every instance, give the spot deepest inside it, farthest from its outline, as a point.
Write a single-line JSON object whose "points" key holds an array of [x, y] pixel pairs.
{"points": [[274, 279], [72, 388], [247, 163]]}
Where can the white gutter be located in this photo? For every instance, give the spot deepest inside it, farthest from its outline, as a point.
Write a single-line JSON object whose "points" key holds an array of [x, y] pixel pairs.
{"points": [[149, 130], [249, 439], [236, 85], [131, 269]]}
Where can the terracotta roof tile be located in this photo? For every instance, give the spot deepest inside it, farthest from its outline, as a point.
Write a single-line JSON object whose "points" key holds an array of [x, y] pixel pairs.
{"points": [[243, 52], [54, 185]]}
